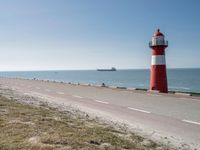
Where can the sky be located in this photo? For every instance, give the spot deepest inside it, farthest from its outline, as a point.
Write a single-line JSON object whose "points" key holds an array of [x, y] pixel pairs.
{"points": [[91, 34]]}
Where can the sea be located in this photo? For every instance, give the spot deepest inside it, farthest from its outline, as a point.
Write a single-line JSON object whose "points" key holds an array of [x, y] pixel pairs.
{"points": [[186, 80]]}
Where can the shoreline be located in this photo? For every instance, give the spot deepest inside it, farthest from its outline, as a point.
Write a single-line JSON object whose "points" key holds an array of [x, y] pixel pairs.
{"points": [[170, 92]]}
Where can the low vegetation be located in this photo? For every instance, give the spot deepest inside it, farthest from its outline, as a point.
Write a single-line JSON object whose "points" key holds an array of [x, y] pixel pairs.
{"points": [[26, 127]]}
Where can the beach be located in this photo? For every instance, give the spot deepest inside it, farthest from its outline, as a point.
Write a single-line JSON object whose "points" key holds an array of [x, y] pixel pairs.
{"points": [[172, 119]]}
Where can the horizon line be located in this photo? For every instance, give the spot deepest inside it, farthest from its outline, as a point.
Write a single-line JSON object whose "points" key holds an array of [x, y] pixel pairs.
{"points": [[93, 69]]}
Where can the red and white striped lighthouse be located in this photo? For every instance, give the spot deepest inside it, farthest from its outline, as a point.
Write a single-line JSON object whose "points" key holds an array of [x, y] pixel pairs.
{"points": [[158, 79]]}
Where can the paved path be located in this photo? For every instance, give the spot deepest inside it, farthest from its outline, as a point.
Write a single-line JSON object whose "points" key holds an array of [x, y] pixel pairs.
{"points": [[176, 117]]}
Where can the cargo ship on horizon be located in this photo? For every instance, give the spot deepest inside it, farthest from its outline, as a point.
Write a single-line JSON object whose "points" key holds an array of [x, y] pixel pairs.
{"points": [[112, 69]]}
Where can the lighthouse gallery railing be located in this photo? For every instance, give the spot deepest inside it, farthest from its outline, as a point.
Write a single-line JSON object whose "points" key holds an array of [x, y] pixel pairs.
{"points": [[158, 43]]}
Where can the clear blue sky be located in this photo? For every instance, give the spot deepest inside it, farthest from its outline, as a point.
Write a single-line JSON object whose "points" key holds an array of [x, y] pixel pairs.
{"points": [[90, 34]]}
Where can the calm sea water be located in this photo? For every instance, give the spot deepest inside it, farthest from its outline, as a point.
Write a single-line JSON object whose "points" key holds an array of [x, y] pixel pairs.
{"points": [[178, 79]]}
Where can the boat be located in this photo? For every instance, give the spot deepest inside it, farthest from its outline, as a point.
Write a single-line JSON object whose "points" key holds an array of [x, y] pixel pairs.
{"points": [[112, 69]]}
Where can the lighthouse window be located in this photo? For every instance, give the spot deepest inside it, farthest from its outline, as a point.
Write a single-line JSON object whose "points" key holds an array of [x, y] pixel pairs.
{"points": [[160, 41]]}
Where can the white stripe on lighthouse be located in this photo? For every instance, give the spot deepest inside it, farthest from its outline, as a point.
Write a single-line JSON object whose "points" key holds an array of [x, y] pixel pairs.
{"points": [[158, 60]]}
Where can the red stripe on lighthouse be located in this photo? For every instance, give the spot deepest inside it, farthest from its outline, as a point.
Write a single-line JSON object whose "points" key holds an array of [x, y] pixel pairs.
{"points": [[158, 51], [158, 78]]}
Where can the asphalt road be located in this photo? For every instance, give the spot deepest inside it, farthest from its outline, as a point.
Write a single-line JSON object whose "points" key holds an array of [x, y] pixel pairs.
{"points": [[176, 117]]}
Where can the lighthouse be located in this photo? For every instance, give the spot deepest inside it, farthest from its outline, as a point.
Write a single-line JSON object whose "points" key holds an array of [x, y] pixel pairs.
{"points": [[158, 79]]}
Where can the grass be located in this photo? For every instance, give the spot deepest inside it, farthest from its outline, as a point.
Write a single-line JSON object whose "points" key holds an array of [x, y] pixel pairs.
{"points": [[26, 127]]}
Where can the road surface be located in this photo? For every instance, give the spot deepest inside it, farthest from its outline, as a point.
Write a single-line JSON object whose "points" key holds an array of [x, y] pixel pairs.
{"points": [[174, 117]]}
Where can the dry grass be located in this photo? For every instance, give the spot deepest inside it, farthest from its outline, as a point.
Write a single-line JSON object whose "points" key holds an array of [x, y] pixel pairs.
{"points": [[42, 128]]}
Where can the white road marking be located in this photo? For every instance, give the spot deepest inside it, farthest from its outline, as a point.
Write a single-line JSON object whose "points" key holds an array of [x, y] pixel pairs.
{"points": [[140, 110], [47, 90], [125, 91], [193, 122], [76, 96], [61, 93], [101, 102], [37, 88], [183, 98]]}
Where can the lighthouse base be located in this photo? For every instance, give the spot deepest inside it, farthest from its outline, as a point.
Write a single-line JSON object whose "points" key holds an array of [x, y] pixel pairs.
{"points": [[158, 81]]}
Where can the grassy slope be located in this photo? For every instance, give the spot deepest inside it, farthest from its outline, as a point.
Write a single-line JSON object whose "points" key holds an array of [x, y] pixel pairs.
{"points": [[27, 127]]}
